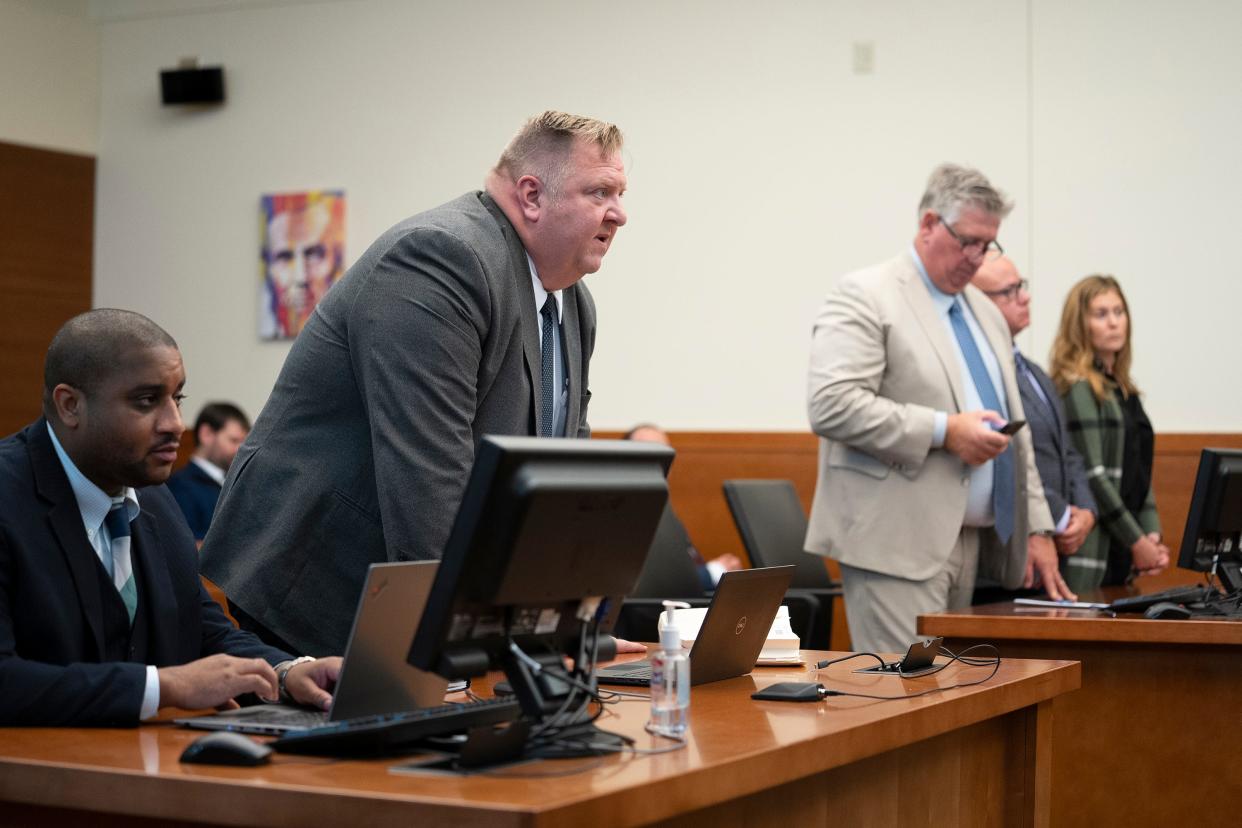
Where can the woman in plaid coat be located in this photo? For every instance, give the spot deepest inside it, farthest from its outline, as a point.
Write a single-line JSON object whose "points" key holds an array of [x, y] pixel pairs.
{"points": [[1090, 365]]}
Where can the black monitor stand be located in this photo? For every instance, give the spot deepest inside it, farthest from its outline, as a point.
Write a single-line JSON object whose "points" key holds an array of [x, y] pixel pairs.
{"points": [[1229, 573], [556, 701]]}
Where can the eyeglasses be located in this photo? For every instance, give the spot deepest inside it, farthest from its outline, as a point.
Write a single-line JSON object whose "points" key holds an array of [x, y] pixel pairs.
{"points": [[977, 248], [1010, 293]]}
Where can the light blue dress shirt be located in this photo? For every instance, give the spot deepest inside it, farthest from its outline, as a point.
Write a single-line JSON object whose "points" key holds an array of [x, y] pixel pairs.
{"points": [[94, 504], [979, 496]]}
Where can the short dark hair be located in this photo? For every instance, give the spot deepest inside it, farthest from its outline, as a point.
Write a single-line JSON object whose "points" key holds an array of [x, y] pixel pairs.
{"points": [[219, 414], [89, 348]]}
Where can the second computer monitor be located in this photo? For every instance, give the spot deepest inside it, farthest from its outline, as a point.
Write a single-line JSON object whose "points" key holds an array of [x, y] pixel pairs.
{"points": [[1214, 524], [545, 529]]}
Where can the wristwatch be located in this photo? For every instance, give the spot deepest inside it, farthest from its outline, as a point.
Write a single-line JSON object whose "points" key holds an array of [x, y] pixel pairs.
{"points": [[282, 673]]}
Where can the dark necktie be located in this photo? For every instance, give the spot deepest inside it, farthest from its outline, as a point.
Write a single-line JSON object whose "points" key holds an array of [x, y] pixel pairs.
{"points": [[547, 380], [1026, 373], [117, 521], [1002, 464]]}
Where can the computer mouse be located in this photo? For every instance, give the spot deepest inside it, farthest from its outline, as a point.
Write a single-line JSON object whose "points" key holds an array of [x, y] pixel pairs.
{"points": [[225, 748], [1166, 609]]}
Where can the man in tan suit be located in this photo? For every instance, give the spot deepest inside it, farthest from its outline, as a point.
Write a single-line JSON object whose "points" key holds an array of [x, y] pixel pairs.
{"points": [[911, 377]]}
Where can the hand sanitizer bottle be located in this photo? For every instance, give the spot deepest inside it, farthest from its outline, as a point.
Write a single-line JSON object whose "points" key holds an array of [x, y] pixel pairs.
{"points": [[670, 679]]}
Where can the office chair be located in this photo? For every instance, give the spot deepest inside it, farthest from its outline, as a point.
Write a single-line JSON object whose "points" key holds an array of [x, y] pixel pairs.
{"points": [[669, 573], [770, 519]]}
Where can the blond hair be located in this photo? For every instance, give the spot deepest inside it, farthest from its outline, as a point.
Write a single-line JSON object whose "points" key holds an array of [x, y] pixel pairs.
{"points": [[543, 145], [1073, 357], [952, 187]]}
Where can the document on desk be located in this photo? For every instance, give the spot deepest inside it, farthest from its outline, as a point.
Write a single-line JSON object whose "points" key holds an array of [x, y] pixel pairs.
{"points": [[1043, 602]]}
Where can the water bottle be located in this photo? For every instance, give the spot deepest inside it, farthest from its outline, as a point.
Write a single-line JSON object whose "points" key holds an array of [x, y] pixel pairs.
{"points": [[670, 679]]}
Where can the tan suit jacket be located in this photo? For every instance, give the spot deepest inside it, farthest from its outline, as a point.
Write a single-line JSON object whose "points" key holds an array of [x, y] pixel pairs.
{"points": [[882, 364]]}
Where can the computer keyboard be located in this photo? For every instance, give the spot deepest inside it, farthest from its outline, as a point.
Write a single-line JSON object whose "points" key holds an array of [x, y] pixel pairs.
{"points": [[380, 734], [1177, 595]]}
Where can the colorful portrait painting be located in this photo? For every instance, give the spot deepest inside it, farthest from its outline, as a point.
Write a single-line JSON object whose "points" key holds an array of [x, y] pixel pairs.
{"points": [[303, 254]]}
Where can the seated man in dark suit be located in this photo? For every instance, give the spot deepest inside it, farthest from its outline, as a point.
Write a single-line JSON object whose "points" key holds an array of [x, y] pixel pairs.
{"points": [[709, 571], [218, 434], [1060, 466], [103, 618]]}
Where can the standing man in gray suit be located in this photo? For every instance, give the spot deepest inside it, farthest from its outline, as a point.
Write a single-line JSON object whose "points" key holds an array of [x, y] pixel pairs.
{"points": [[1060, 465], [911, 377], [465, 320]]}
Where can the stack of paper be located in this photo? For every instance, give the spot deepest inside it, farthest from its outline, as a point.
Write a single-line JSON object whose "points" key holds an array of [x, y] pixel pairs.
{"points": [[781, 646]]}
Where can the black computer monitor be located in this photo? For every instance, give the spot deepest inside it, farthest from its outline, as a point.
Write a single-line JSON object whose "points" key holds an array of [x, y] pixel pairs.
{"points": [[549, 533], [1214, 524]]}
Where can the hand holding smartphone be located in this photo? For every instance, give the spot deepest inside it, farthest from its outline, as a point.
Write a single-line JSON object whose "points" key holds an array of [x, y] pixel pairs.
{"points": [[1010, 428]]}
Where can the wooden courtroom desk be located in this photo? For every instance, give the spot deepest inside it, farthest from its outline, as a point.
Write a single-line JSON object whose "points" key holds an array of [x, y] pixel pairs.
{"points": [[1150, 739], [971, 756]]}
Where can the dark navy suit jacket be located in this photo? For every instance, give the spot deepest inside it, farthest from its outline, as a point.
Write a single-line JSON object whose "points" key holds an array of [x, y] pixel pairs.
{"points": [[52, 613], [1060, 465], [196, 494]]}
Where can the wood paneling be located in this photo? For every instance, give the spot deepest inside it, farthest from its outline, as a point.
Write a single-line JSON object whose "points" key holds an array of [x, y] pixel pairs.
{"points": [[47, 207], [706, 459], [1140, 743]]}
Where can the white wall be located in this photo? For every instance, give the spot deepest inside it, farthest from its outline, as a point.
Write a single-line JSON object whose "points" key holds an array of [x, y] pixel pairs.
{"points": [[49, 75], [761, 168]]}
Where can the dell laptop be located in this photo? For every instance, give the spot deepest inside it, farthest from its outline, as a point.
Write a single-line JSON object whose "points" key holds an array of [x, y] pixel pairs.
{"points": [[733, 632]]}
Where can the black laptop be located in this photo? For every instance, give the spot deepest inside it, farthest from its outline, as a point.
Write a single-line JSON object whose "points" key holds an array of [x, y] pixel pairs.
{"points": [[733, 632], [375, 677]]}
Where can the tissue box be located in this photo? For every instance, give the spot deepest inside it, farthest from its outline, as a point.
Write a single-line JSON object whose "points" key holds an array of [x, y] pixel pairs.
{"points": [[781, 647]]}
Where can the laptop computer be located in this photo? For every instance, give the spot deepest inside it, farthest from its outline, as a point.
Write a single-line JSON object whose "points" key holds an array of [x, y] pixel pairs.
{"points": [[733, 632], [375, 677]]}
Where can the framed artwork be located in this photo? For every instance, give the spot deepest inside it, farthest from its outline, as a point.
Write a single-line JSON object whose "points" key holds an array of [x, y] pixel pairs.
{"points": [[302, 255]]}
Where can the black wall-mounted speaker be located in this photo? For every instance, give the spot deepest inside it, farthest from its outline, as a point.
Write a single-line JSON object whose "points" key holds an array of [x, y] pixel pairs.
{"points": [[203, 85]]}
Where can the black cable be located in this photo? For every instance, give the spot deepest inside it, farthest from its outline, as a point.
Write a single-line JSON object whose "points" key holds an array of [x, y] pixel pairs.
{"points": [[822, 664], [972, 662]]}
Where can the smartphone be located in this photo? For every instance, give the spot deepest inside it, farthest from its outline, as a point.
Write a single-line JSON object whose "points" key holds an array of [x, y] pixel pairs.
{"points": [[1012, 427], [919, 659]]}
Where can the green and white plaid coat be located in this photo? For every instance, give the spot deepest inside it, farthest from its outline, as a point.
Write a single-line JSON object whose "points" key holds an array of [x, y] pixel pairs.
{"points": [[1098, 431]]}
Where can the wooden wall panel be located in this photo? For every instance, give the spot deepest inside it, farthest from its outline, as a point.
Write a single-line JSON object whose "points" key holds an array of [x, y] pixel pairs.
{"points": [[47, 209], [706, 459]]}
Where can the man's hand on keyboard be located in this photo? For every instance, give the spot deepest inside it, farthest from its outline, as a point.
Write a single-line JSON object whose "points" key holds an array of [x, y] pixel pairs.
{"points": [[624, 646], [309, 682]]}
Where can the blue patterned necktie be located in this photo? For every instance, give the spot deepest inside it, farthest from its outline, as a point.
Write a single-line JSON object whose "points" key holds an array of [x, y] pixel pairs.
{"points": [[547, 380], [1002, 464], [117, 522]]}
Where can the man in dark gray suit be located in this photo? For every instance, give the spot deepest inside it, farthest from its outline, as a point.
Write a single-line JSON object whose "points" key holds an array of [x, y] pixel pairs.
{"points": [[465, 320], [1060, 466]]}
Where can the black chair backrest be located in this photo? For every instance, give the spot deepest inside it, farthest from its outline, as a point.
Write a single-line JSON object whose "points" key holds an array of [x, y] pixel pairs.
{"points": [[669, 571], [770, 519]]}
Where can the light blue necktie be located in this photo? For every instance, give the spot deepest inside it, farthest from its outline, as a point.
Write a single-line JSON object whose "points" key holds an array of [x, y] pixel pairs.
{"points": [[1002, 464], [547, 380], [117, 522]]}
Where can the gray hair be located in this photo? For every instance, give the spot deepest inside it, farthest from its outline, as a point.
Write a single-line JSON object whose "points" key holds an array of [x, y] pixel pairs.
{"points": [[952, 187], [89, 347], [543, 145]]}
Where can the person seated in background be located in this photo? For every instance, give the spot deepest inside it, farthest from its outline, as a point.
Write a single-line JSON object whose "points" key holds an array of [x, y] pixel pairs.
{"points": [[1059, 464], [709, 571], [218, 434], [103, 617], [1091, 368]]}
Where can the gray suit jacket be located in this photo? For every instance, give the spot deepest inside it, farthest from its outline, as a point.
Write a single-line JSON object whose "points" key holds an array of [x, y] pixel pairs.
{"points": [[882, 364], [1060, 465], [362, 453]]}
